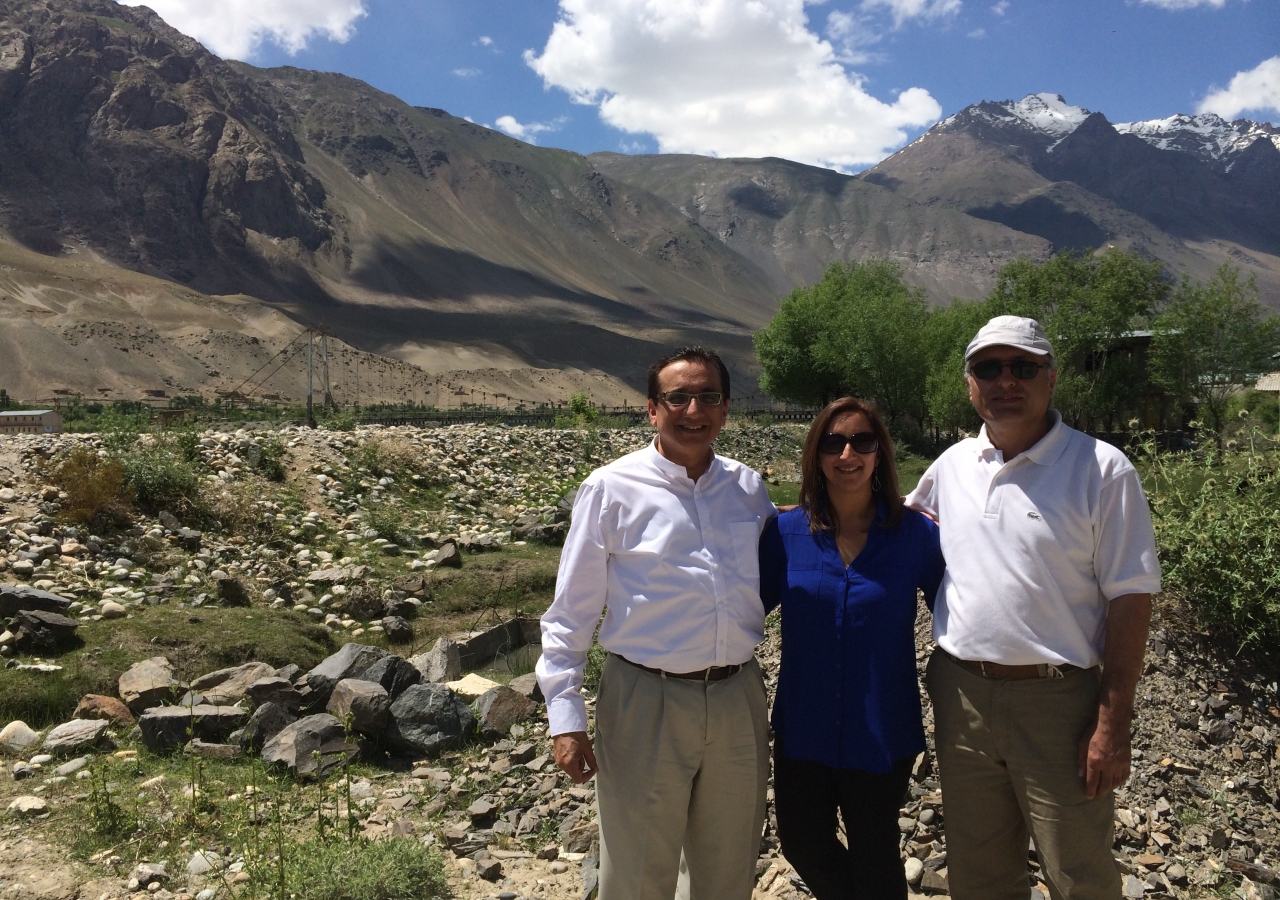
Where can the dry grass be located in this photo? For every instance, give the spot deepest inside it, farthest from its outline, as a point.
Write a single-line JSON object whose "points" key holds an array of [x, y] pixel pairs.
{"points": [[98, 490]]}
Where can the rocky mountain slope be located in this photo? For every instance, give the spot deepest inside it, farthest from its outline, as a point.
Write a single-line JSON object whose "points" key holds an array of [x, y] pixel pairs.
{"points": [[129, 155], [1190, 191]]}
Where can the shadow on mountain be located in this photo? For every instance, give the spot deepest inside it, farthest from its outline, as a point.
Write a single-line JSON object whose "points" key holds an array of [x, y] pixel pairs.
{"points": [[421, 270], [1043, 217]]}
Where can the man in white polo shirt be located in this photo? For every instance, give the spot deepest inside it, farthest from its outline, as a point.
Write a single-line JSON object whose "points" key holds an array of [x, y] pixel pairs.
{"points": [[666, 539], [1040, 621]]}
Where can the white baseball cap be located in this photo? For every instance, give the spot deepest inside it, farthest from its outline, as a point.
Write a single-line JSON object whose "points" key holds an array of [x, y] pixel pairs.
{"points": [[1010, 331]]}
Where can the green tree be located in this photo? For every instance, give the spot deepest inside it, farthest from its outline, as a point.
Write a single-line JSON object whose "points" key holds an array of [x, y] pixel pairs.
{"points": [[1212, 340], [946, 335], [1087, 304], [857, 331]]}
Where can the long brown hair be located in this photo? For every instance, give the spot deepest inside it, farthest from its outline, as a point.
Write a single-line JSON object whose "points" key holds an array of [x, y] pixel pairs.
{"points": [[813, 484]]}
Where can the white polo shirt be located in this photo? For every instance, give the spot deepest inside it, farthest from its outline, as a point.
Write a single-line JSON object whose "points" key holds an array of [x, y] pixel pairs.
{"points": [[1036, 547]]}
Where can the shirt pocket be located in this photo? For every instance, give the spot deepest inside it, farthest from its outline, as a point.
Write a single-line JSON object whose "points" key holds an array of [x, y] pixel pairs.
{"points": [[746, 552]]}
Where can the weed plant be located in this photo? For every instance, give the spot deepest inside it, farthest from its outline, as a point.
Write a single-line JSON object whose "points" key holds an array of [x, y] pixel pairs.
{"points": [[98, 491], [1217, 521]]}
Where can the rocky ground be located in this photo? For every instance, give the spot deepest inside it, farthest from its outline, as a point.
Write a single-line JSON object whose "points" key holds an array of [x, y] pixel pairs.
{"points": [[1199, 817]]}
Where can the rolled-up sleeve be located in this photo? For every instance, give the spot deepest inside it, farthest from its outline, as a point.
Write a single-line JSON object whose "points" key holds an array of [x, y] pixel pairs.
{"points": [[925, 497], [568, 627], [1124, 558]]}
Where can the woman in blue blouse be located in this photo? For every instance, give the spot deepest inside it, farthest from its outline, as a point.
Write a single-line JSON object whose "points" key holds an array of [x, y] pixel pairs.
{"points": [[845, 565]]}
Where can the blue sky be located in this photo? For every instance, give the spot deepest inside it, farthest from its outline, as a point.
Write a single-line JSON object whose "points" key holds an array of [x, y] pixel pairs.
{"points": [[821, 82]]}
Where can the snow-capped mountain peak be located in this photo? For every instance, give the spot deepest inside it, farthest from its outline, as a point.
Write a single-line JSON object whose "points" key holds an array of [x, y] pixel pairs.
{"points": [[1048, 113], [1207, 135]]}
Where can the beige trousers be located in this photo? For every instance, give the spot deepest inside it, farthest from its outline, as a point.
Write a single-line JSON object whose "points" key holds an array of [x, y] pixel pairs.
{"points": [[1007, 760], [683, 764]]}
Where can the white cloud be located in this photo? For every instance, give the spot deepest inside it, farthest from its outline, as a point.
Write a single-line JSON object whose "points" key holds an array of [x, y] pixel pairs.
{"points": [[724, 78], [977, 33], [1257, 89], [484, 40], [466, 73], [915, 9], [236, 28], [527, 132], [854, 34], [1184, 4], [1001, 8]]}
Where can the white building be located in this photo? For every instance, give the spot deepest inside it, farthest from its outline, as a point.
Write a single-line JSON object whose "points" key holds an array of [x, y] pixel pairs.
{"points": [[30, 421]]}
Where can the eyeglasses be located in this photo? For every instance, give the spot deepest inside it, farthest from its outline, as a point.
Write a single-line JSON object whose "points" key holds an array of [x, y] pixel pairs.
{"points": [[682, 398], [1021, 369], [833, 444]]}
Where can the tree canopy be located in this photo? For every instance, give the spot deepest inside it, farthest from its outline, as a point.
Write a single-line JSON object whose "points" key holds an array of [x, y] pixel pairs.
{"points": [[862, 330]]}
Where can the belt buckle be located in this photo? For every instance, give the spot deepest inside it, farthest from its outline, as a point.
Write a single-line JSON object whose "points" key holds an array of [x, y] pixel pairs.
{"points": [[982, 667], [706, 674]]}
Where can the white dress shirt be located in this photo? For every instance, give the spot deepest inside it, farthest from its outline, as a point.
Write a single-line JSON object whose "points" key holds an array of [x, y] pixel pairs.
{"points": [[675, 562], [1036, 547]]}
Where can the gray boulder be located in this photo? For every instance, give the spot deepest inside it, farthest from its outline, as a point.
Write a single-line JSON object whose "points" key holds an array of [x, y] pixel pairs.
{"points": [[365, 702], [441, 663], [274, 690], [226, 686], [165, 728], [232, 592], [268, 720], [17, 738], [352, 661], [394, 673], [398, 630], [528, 686], [70, 738], [16, 597], [148, 683], [312, 745], [429, 718], [448, 557], [36, 631], [500, 708]]}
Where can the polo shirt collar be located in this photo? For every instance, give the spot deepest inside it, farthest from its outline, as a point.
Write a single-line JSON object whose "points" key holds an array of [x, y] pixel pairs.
{"points": [[672, 470], [1044, 452]]}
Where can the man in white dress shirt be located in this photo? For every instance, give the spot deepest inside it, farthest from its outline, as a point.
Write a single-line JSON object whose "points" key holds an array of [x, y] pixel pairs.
{"points": [[1041, 621], [665, 539]]}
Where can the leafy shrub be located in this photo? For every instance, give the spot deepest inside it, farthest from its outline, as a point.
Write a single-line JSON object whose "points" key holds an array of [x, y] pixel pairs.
{"points": [[387, 519], [393, 869], [98, 489], [163, 479], [1217, 521], [272, 464]]}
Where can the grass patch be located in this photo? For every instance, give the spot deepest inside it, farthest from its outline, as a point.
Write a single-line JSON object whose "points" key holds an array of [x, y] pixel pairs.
{"points": [[194, 640], [394, 869], [786, 493]]}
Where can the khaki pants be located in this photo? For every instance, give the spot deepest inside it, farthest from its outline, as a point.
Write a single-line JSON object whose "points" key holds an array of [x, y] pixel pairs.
{"points": [[1007, 759], [683, 764]]}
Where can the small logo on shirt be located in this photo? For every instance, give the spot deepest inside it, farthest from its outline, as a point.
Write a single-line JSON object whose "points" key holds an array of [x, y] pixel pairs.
{"points": [[1033, 515]]}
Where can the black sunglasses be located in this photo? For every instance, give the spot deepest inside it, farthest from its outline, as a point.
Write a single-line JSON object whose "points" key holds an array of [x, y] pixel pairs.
{"points": [[833, 444], [682, 398], [1021, 369]]}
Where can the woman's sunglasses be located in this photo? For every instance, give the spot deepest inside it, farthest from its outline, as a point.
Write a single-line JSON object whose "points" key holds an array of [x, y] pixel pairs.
{"points": [[1021, 369], [833, 444]]}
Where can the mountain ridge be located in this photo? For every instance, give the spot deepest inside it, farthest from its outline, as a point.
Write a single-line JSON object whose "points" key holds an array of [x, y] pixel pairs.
{"points": [[443, 245]]}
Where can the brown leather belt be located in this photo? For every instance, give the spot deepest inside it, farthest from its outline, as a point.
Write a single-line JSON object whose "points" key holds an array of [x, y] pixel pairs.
{"points": [[1002, 672], [711, 673]]}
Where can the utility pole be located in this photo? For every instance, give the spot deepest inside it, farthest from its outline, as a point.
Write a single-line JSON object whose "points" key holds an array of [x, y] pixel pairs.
{"points": [[311, 419], [324, 350]]}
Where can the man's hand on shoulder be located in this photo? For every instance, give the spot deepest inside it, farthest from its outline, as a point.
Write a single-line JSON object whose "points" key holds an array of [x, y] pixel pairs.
{"points": [[575, 756]]}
